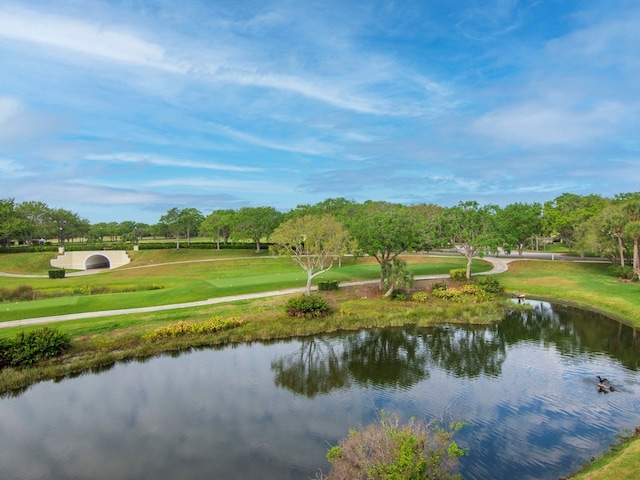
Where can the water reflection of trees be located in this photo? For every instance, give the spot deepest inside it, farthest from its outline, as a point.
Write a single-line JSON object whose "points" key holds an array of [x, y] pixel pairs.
{"points": [[314, 369], [390, 358], [401, 357], [468, 352], [572, 332], [386, 358]]}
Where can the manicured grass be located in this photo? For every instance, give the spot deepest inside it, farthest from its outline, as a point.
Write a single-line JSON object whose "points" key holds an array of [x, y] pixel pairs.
{"points": [[179, 276]]}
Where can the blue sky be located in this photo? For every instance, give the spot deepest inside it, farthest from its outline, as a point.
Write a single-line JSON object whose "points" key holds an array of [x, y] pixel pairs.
{"points": [[121, 110]]}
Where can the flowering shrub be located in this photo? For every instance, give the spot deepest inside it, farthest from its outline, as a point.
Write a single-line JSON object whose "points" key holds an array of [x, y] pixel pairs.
{"points": [[420, 297], [458, 274], [466, 293], [189, 328]]}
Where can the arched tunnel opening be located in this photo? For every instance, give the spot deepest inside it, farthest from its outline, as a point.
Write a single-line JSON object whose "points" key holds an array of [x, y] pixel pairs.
{"points": [[97, 261]]}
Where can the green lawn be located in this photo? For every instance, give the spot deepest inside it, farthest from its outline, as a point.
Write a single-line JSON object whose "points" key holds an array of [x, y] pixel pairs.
{"points": [[163, 277]]}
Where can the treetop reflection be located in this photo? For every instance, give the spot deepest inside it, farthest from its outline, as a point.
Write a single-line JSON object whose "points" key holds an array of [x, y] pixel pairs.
{"points": [[401, 357]]}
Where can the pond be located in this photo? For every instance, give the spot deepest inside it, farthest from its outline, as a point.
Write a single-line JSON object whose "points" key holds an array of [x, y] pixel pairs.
{"points": [[526, 386]]}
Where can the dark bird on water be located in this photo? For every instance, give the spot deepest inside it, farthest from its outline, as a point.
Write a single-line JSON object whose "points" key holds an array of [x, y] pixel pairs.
{"points": [[602, 380]]}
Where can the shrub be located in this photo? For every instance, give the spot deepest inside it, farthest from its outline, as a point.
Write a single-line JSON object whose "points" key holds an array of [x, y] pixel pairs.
{"points": [[458, 274], [388, 450], [447, 294], [420, 297], [439, 286], [5, 356], [468, 292], [307, 306], [28, 348], [624, 273], [327, 285], [490, 285], [185, 328], [57, 273]]}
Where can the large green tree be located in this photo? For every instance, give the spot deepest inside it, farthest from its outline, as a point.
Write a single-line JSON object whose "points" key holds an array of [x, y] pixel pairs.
{"points": [[471, 229], [385, 230], [218, 225], [518, 222], [67, 225], [312, 241], [565, 213], [35, 216], [632, 209], [256, 223], [173, 222], [11, 223]]}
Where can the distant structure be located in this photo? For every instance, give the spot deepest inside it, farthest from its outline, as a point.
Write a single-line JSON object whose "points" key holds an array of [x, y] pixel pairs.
{"points": [[91, 259]]}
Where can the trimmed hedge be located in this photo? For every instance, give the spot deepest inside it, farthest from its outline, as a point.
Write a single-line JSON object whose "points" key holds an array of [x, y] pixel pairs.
{"points": [[57, 273], [327, 285]]}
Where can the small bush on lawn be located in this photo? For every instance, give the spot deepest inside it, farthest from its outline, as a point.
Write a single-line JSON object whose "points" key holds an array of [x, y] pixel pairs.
{"points": [[307, 306], [185, 328], [458, 274], [618, 271], [490, 285], [28, 348]]}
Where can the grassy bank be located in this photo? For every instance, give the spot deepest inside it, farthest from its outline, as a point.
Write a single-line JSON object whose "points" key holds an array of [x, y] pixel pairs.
{"points": [[102, 342], [587, 285]]}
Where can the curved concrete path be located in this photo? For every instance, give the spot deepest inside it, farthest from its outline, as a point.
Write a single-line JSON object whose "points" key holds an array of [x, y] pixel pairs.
{"points": [[499, 265]]}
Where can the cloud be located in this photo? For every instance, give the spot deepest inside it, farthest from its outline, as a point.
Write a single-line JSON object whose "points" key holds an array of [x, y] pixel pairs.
{"points": [[157, 160], [538, 124], [17, 122], [12, 169], [84, 37], [255, 186]]}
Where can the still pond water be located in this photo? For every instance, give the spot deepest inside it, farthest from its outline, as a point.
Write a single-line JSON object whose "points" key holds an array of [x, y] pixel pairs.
{"points": [[527, 387]]}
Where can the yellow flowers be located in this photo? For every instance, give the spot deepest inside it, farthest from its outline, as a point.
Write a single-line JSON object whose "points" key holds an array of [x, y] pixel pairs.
{"points": [[182, 327]]}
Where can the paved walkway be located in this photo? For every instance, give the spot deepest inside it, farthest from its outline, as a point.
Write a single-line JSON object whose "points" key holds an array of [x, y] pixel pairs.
{"points": [[499, 265]]}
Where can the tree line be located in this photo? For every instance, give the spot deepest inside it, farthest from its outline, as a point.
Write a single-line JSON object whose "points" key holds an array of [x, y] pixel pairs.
{"points": [[585, 223]]}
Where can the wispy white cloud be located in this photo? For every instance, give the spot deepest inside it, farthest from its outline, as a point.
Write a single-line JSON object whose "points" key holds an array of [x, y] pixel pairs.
{"points": [[539, 124], [308, 146], [84, 37], [12, 169], [17, 122], [226, 184], [160, 161]]}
